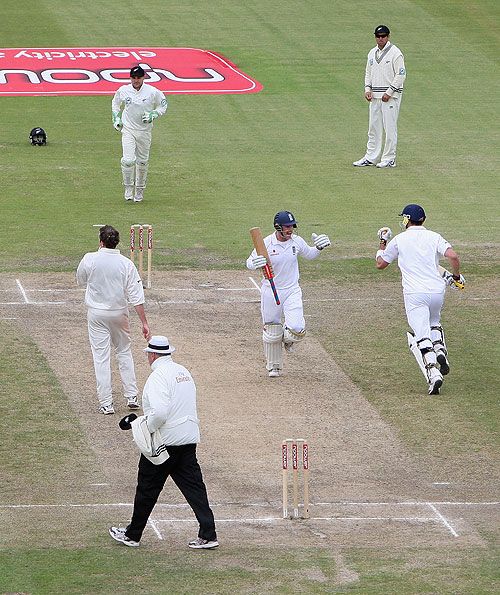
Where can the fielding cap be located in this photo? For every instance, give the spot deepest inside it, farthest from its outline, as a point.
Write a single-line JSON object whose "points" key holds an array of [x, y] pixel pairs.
{"points": [[137, 72], [159, 344], [415, 213], [382, 30]]}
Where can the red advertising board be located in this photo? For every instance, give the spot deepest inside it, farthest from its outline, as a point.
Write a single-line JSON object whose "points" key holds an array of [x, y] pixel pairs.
{"points": [[100, 71]]}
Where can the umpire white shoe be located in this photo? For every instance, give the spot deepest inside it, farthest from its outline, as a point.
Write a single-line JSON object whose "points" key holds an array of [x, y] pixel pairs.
{"points": [[118, 534], [129, 193], [202, 544], [139, 194], [388, 163], [362, 162]]}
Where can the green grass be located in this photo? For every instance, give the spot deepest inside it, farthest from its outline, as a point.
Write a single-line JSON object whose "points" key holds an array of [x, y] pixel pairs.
{"points": [[223, 164]]}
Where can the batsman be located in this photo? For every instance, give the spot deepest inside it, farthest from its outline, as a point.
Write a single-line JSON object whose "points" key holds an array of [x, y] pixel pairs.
{"points": [[281, 296], [418, 250]]}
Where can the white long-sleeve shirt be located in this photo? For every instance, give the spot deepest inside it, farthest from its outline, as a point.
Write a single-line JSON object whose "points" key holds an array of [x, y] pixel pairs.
{"points": [[135, 103], [169, 403], [418, 250], [283, 256], [112, 280], [385, 71]]}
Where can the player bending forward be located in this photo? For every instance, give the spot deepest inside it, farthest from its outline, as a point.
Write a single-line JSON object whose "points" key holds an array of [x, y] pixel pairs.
{"points": [[418, 250], [284, 248]]}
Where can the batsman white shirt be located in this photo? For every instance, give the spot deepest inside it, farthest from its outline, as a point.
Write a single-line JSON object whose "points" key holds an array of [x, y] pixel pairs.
{"points": [[169, 403], [418, 250], [283, 256], [112, 280], [135, 103]]}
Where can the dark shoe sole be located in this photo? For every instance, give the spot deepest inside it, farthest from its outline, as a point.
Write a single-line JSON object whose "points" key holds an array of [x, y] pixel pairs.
{"points": [[435, 389], [444, 367]]}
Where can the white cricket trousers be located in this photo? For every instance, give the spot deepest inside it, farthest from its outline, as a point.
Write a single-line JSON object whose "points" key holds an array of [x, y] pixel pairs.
{"points": [[423, 310], [290, 308], [136, 145], [106, 328], [383, 116]]}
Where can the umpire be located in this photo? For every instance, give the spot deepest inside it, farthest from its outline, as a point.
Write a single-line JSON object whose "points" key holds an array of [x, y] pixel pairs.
{"points": [[169, 403]]}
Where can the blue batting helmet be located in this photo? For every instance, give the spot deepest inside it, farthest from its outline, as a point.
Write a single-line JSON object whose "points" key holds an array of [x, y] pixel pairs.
{"points": [[413, 213], [284, 218]]}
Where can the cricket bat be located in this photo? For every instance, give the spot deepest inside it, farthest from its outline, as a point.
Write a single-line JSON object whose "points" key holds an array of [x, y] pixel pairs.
{"points": [[260, 248], [445, 274]]}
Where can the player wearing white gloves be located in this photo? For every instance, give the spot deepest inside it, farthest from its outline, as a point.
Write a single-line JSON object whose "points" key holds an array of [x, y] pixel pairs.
{"points": [[284, 324], [418, 250], [141, 104]]}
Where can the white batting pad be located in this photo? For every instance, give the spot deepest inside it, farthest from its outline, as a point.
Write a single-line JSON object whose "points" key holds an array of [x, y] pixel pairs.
{"points": [[128, 172], [141, 174], [272, 337], [290, 336]]}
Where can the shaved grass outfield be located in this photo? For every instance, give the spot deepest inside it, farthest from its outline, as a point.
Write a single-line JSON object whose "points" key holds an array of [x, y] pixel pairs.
{"points": [[222, 164]]}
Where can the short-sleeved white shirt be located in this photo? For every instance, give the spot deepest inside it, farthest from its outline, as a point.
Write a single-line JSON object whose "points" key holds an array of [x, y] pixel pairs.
{"points": [[418, 250]]}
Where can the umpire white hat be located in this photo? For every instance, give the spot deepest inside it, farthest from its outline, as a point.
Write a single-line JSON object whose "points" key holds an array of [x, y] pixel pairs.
{"points": [[159, 344]]}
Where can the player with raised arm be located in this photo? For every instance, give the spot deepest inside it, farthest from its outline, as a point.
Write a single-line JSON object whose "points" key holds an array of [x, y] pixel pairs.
{"points": [[418, 250]]}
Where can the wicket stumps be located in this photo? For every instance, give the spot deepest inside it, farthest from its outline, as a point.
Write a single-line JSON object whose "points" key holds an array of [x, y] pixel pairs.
{"points": [[141, 227], [293, 445]]}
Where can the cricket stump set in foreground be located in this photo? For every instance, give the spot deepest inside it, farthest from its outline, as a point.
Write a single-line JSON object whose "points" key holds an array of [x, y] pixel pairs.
{"points": [[140, 227], [290, 452]]}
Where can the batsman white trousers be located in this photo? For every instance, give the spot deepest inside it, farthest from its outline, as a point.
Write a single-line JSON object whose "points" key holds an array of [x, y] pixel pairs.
{"points": [[291, 308], [106, 328], [383, 116], [136, 145], [423, 310]]}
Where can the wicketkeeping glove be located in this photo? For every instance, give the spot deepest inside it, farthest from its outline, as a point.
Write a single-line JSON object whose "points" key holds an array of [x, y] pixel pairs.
{"points": [[321, 241], [148, 117], [384, 234], [117, 121], [259, 261], [457, 283]]}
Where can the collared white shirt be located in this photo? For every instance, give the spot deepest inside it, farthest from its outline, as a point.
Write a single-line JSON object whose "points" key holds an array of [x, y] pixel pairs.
{"points": [[283, 256], [169, 403], [112, 280], [418, 250], [135, 103]]}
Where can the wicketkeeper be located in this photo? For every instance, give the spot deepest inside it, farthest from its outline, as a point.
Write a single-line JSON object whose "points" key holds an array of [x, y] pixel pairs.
{"points": [[135, 107], [284, 323], [418, 250]]}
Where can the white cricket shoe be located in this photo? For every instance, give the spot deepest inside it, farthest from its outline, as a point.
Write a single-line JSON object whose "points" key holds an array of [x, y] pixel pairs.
{"points": [[139, 194], [118, 534], [444, 364], [435, 382], [274, 372], [106, 409], [129, 193], [364, 162], [133, 403], [387, 163]]}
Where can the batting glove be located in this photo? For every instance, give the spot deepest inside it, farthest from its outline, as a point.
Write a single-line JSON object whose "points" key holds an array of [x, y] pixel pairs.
{"points": [[117, 121], [259, 261], [126, 422], [384, 234], [148, 117], [456, 282], [321, 241]]}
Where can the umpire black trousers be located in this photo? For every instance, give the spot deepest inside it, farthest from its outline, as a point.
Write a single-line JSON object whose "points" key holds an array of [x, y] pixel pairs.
{"points": [[182, 466]]}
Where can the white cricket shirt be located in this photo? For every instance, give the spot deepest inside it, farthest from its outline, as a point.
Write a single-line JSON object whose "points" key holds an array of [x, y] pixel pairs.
{"points": [[112, 280], [418, 250], [385, 71], [135, 103]]}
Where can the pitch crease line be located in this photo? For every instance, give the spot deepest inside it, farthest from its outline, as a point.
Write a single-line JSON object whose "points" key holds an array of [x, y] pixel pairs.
{"points": [[443, 519]]}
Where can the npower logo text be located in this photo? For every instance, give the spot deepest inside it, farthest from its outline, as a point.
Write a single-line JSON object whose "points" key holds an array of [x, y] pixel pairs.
{"points": [[100, 71]]}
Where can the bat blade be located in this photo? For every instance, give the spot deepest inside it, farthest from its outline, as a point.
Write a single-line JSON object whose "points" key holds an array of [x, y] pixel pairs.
{"points": [[260, 248]]}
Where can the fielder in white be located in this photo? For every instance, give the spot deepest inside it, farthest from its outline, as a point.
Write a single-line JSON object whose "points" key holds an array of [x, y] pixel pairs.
{"points": [[418, 250], [284, 324], [112, 282], [135, 107], [384, 78]]}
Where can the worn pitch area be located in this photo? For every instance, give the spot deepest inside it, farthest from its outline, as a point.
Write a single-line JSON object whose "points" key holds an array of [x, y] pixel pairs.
{"points": [[365, 487]]}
